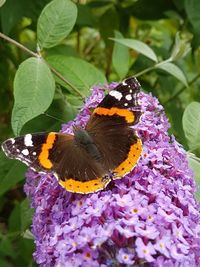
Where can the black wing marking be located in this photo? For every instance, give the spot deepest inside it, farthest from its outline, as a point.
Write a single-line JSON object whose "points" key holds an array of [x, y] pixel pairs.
{"points": [[123, 96]]}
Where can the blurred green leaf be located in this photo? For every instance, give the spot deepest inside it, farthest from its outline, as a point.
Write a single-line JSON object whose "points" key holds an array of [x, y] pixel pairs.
{"points": [[26, 214], [191, 125], [34, 88], [78, 72], [194, 163], [108, 23], [5, 263], [120, 57], [14, 222], [62, 49], [85, 16], [150, 10], [6, 247], [192, 8], [56, 22], [138, 46], [181, 47], [2, 2], [11, 172], [11, 13], [173, 70]]}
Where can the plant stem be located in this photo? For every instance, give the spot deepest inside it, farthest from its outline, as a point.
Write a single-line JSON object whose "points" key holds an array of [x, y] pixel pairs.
{"points": [[66, 81], [153, 67], [22, 47], [144, 71], [3, 36]]}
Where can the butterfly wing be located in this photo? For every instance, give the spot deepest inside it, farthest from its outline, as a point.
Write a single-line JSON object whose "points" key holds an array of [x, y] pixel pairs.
{"points": [[59, 153], [77, 170], [26, 148], [82, 162], [122, 101], [109, 126]]}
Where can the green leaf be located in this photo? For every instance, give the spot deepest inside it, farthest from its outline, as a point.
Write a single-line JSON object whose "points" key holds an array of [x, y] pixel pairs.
{"points": [[6, 247], [11, 13], [138, 46], [78, 72], [85, 16], [194, 163], [192, 8], [181, 46], [26, 214], [191, 125], [5, 263], [11, 172], [108, 22], [120, 57], [173, 70], [14, 220], [62, 49], [34, 88], [2, 2], [56, 22], [150, 10]]}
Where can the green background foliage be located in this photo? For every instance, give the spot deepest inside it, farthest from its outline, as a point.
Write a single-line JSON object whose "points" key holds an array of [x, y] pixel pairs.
{"points": [[73, 45]]}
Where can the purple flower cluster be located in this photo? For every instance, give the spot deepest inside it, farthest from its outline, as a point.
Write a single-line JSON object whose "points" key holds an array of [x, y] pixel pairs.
{"points": [[148, 218]]}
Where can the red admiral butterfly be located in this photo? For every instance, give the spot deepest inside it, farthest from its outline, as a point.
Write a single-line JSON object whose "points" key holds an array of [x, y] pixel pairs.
{"points": [[108, 148]]}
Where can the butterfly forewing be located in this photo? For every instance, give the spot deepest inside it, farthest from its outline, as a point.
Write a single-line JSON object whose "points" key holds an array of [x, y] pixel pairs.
{"points": [[26, 148], [122, 101], [109, 126]]}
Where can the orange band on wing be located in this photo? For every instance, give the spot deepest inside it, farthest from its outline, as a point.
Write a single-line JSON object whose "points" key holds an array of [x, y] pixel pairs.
{"points": [[127, 114], [44, 154], [128, 164], [92, 186]]}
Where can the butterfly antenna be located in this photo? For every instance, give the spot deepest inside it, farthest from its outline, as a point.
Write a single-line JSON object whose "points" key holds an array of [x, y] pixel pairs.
{"points": [[50, 116]]}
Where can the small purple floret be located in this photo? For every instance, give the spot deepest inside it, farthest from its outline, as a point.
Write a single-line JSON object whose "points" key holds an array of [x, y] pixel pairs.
{"points": [[148, 218]]}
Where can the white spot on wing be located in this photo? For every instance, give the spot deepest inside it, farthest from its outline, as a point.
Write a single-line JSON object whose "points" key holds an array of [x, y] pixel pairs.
{"points": [[34, 153], [124, 83], [128, 97], [116, 94], [28, 140], [25, 152], [12, 140], [130, 91], [125, 104], [17, 150]]}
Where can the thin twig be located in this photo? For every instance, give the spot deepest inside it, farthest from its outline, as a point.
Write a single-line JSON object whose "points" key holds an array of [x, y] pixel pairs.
{"points": [[144, 71], [64, 80], [91, 45], [3, 36], [155, 66]]}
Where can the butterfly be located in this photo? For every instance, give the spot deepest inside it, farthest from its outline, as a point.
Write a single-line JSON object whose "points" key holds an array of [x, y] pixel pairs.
{"points": [[86, 161]]}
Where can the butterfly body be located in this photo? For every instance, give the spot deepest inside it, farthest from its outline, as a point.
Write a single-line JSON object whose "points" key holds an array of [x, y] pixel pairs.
{"points": [[85, 161], [84, 140]]}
